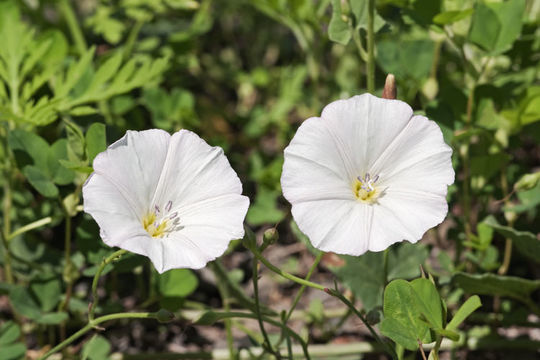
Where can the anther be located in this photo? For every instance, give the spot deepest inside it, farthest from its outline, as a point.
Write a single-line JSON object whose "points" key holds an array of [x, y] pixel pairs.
{"points": [[168, 206]]}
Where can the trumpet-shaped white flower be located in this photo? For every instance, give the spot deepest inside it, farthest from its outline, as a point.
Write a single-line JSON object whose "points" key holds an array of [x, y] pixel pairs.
{"points": [[367, 174], [173, 198]]}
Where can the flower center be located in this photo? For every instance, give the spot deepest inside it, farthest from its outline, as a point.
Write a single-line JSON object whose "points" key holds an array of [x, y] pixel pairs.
{"points": [[158, 224], [365, 189]]}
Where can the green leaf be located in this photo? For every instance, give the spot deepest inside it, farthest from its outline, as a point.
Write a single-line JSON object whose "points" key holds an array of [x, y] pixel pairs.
{"points": [[96, 141], [47, 289], [105, 72], [52, 318], [364, 274], [402, 322], [338, 29], [406, 58], [449, 17], [83, 110], [495, 26], [463, 312], [60, 174], [428, 301], [98, 348], [177, 283], [360, 10], [74, 73], [76, 141], [40, 181], [29, 148], [526, 242], [9, 333], [496, 285], [23, 303], [13, 352]]}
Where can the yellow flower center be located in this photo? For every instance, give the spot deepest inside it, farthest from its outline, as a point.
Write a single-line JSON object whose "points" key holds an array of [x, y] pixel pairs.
{"points": [[158, 225], [364, 189]]}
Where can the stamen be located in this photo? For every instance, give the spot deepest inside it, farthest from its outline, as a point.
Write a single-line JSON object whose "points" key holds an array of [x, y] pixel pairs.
{"points": [[173, 215], [168, 206], [156, 210]]}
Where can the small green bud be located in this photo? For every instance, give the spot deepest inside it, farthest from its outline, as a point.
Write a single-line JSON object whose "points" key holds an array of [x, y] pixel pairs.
{"points": [[270, 236], [527, 181], [164, 316]]}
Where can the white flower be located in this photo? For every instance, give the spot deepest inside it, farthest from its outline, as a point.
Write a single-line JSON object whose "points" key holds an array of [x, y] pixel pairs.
{"points": [[367, 174], [172, 198]]}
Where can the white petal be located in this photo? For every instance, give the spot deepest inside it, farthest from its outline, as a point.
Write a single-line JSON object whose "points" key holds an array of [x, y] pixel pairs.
{"points": [[405, 215], [207, 228], [365, 125], [194, 171], [340, 226], [418, 159], [133, 165], [314, 166], [108, 206]]}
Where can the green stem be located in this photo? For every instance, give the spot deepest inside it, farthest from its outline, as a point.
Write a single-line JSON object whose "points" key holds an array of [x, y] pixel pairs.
{"points": [[266, 344], [95, 299], [358, 42], [334, 293], [132, 38], [6, 229], [370, 65], [93, 323], [276, 323], [303, 288], [73, 25], [436, 348], [33, 225], [225, 298], [286, 275]]}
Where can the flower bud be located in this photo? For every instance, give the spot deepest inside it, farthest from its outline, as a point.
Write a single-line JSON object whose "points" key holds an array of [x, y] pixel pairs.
{"points": [[270, 236], [164, 316]]}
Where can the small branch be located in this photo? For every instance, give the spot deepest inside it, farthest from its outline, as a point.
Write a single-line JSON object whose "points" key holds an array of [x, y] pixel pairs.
{"points": [[73, 25], [370, 65], [33, 225], [93, 323], [95, 299]]}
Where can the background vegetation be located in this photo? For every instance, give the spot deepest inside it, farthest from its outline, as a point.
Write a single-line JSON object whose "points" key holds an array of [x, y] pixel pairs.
{"points": [[75, 75]]}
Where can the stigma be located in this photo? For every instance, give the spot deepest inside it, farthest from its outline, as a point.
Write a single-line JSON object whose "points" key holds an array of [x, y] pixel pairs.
{"points": [[158, 223], [366, 190]]}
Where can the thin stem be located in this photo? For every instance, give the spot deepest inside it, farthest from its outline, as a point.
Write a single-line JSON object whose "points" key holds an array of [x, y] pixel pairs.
{"points": [[224, 293], [132, 38], [95, 299], [276, 323], [267, 344], [6, 229], [93, 323], [370, 65], [421, 349], [73, 25], [436, 348], [285, 274], [33, 225], [303, 288], [359, 46]]}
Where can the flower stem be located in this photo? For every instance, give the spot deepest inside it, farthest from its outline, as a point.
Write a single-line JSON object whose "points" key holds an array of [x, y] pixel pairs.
{"points": [[93, 323], [286, 275], [95, 299], [73, 25], [31, 226], [266, 343], [328, 291], [225, 298], [370, 65], [303, 288]]}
